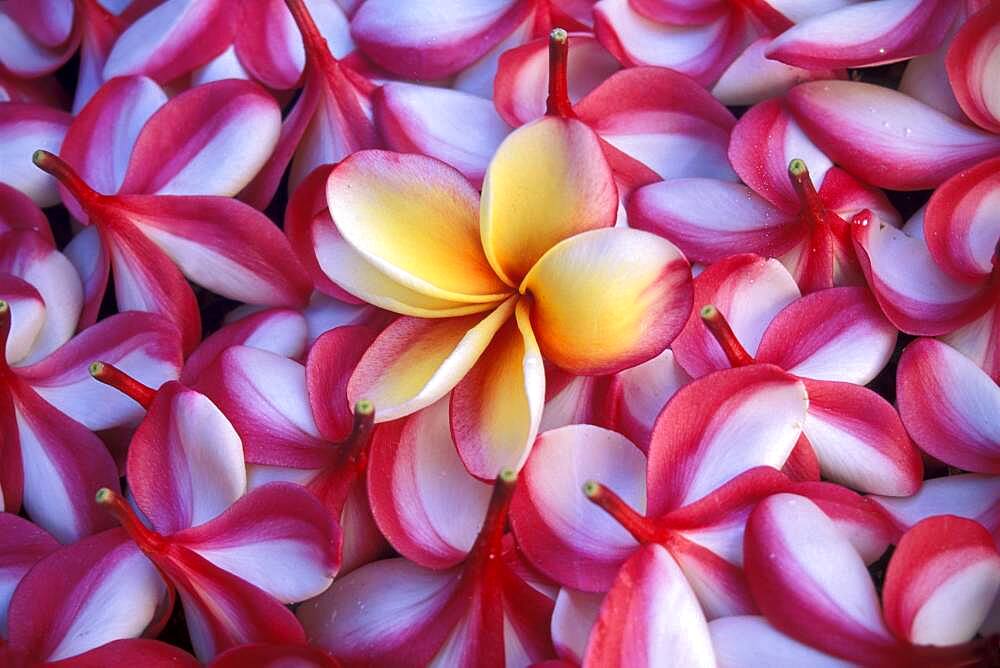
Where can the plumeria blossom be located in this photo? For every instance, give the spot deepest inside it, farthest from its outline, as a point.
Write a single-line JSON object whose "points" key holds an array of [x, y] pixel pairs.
{"points": [[795, 206], [835, 340], [233, 556], [894, 141], [689, 498], [428, 40], [332, 117], [820, 605], [52, 461], [488, 297], [475, 607], [158, 218]]}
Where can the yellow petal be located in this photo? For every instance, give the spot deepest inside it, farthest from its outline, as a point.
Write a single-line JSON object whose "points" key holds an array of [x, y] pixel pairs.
{"points": [[608, 299], [415, 219], [416, 361], [496, 409], [548, 181]]}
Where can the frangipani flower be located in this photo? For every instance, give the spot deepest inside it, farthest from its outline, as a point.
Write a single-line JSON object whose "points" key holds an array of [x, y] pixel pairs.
{"points": [[156, 216], [491, 290], [795, 204], [835, 340], [233, 556], [891, 140], [332, 117], [475, 607], [820, 603]]}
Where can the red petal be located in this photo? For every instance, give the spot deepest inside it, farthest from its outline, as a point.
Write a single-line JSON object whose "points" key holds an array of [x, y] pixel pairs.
{"points": [[972, 67]]}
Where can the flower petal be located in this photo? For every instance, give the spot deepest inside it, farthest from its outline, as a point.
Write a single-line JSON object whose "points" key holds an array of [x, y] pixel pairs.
{"points": [[749, 291], [277, 537], [865, 34], [196, 143], [710, 219], [949, 406], [331, 362], [24, 129], [547, 182], [836, 334], [664, 120], [753, 77], [608, 299], [914, 293], [416, 361], [274, 656], [47, 21], [97, 590], [650, 617], [941, 582], [457, 128], [414, 219], [641, 392], [497, 408], [23, 57], [572, 620], [975, 497], [562, 533], [18, 212], [810, 582], [416, 481], [960, 225], [859, 126], [142, 345], [172, 39], [972, 68], [859, 440], [22, 545], [745, 641], [136, 651], [759, 408], [429, 39], [90, 256], [185, 462]]}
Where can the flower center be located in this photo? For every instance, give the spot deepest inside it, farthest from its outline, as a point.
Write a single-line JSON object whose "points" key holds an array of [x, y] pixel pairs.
{"points": [[717, 324]]}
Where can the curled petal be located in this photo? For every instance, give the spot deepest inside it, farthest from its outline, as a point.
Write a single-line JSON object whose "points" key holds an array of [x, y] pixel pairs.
{"points": [[562, 533], [460, 129], [416, 361], [185, 462], [608, 299], [547, 182], [972, 68], [277, 537], [941, 582], [700, 51], [865, 34], [24, 129], [24, 57], [859, 440], [720, 426], [960, 225], [810, 582], [497, 408], [172, 39], [664, 120], [949, 406], [429, 39], [836, 334], [196, 143], [416, 481], [650, 617], [914, 293], [97, 590], [710, 219], [884, 137], [47, 21], [143, 345], [414, 219]]}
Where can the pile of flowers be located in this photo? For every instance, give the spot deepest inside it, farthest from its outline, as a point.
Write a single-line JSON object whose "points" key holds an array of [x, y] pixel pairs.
{"points": [[500, 333]]}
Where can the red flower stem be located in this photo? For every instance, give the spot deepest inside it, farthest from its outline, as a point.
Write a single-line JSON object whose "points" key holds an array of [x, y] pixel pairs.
{"points": [[147, 539], [489, 542], [717, 324], [558, 103], [66, 175], [124, 383], [640, 527]]}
